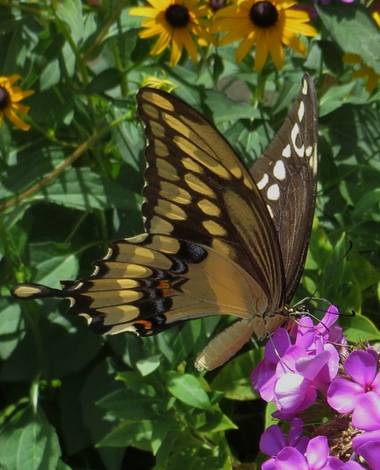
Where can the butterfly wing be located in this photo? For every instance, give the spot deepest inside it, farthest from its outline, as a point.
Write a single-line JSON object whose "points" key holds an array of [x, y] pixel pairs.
{"points": [[212, 247], [147, 283], [198, 190], [286, 177]]}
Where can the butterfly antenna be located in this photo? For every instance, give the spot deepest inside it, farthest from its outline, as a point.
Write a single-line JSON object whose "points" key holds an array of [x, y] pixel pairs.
{"points": [[280, 360]]}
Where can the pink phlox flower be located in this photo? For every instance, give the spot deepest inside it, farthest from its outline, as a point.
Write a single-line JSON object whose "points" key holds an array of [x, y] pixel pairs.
{"points": [[273, 440], [315, 457], [313, 337], [300, 377], [351, 465], [367, 445], [360, 392], [264, 375]]}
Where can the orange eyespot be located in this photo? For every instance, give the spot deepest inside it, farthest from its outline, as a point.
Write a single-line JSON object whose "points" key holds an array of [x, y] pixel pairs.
{"points": [[166, 288], [145, 323]]}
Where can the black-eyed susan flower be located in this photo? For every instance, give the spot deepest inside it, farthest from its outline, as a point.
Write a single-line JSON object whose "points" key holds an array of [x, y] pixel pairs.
{"points": [[176, 23], [267, 24], [362, 71], [10, 106], [160, 83]]}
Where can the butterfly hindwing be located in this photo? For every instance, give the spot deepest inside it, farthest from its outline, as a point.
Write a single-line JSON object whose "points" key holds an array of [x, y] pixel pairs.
{"points": [[148, 283], [286, 177]]}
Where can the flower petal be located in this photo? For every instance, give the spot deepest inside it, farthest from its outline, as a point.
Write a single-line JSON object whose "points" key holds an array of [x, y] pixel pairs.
{"points": [[272, 441], [277, 345], [317, 452], [366, 414], [362, 367], [289, 459], [342, 395]]}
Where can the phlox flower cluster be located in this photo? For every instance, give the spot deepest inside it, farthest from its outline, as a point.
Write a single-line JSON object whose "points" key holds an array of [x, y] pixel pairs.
{"points": [[319, 383]]}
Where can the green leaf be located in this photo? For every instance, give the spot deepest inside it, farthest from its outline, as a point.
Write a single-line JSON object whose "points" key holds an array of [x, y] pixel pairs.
{"points": [[128, 405], [188, 389], [106, 80], [224, 109], [367, 202], [359, 328], [28, 441], [217, 422], [269, 419], [234, 379], [136, 433], [334, 98], [70, 12], [333, 270], [12, 327], [353, 30], [52, 264], [148, 365], [82, 189]]}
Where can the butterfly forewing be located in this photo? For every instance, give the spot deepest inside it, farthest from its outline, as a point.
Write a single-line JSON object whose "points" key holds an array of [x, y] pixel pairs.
{"points": [[198, 190], [286, 177]]}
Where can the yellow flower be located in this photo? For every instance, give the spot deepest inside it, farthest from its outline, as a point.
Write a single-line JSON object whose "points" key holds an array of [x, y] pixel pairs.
{"points": [[176, 23], [160, 83], [268, 24], [374, 6], [363, 71], [10, 105]]}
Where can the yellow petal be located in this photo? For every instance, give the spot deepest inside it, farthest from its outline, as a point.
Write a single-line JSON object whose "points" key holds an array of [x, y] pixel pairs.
{"points": [[275, 47], [190, 46], [176, 49], [143, 11], [244, 47], [12, 116], [300, 28], [17, 94], [261, 51], [161, 43]]}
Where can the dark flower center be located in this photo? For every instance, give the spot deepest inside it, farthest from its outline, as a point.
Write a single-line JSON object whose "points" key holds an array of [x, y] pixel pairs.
{"points": [[4, 98], [217, 4], [263, 14], [177, 16]]}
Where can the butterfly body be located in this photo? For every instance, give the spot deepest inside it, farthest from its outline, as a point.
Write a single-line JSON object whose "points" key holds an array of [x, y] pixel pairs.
{"points": [[218, 241]]}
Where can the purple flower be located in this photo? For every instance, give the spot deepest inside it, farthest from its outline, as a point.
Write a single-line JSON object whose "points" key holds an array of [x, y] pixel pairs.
{"points": [[359, 394], [351, 465], [300, 377], [313, 337], [273, 440], [264, 375], [297, 365], [315, 457], [368, 446]]}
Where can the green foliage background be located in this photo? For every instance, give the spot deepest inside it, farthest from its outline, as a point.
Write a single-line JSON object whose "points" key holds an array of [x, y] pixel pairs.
{"points": [[71, 399]]}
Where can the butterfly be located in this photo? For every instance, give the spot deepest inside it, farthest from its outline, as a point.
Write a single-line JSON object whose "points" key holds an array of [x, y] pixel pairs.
{"points": [[219, 240]]}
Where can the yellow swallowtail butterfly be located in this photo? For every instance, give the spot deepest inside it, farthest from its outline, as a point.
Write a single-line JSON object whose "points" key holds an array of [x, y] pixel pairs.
{"points": [[219, 240]]}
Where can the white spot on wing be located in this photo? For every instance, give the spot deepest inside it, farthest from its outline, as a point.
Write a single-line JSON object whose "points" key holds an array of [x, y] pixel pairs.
{"points": [[309, 150], [95, 271], [287, 152], [263, 182], [273, 192], [300, 151], [315, 160], [301, 111], [304, 87], [279, 171], [270, 211]]}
